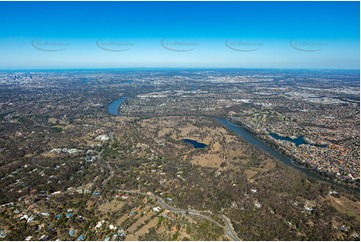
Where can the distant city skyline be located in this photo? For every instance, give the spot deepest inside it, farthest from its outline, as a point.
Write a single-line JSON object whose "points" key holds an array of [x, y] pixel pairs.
{"points": [[318, 35]]}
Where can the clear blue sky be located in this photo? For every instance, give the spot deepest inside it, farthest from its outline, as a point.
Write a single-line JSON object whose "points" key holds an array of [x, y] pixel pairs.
{"points": [[260, 34]]}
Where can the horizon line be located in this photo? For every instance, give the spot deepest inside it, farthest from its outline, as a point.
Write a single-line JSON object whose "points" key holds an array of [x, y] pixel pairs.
{"points": [[167, 67]]}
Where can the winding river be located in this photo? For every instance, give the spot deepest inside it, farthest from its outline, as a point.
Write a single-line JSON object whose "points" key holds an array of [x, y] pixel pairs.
{"points": [[253, 140], [114, 106]]}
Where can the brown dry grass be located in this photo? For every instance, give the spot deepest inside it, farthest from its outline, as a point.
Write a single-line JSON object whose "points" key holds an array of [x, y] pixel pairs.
{"points": [[266, 166], [209, 160], [223, 146], [345, 205], [111, 206], [143, 230], [134, 226]]}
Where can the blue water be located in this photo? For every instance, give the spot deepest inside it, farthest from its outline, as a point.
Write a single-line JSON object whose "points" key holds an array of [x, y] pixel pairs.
{"points": [[249, 138], [195, 143], [298, 141], [114, 106]]}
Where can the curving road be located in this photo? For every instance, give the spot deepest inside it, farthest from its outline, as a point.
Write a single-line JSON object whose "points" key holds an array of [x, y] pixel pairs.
{"points": [[228, 228], [229, 231]]}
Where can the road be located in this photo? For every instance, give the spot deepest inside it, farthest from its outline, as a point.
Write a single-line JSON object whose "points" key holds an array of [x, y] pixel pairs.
{"points": [[229, 231], [228, 228]]}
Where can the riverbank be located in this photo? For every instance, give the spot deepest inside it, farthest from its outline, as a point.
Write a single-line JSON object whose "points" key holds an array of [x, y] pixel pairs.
{"points": [[265, 145], [299, 164]]}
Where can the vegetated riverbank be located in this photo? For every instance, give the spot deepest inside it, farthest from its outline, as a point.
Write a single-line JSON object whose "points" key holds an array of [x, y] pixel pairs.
{"points": [[298, 163], [268, 146]]}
